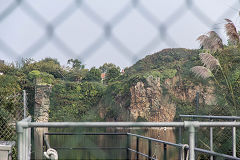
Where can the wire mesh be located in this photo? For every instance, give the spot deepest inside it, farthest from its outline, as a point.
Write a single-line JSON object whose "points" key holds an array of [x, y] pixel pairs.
{"points": [[10, 113], [50, 34], [222, 138]]}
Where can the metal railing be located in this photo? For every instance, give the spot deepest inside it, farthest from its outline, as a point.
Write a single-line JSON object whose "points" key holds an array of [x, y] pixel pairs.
{"points": [[183, 147], [211, 118], [24, 141], [23, 125]]}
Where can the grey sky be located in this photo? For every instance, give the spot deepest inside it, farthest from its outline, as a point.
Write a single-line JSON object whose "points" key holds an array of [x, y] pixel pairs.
{"points": [[21, 29]]}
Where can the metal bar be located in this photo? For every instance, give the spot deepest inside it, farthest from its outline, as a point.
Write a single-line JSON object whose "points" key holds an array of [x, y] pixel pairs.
{"points": [[137, 147], [164, 151], [180, 141], [104, 124], [191, 143], [90, 148], [129, 124], [24, 143], [24, 104], [211, 117], [20, 141], [46, 142], [128, 146], [234, 141], [132, 150], [149, 149], [156, 140], [28, 119], [216, 154], [211, 141], [29, 143], [64, 133], [180, 135]]}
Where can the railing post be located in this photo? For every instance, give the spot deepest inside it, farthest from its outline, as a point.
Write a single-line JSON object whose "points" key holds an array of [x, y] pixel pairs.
{"points": [[191, 142], [180, 141], [24, 104], [29, 143], [137, 147], [234, 140], [211, 140], [128, 146], [25, 144], [149, 149], [165, 151], [20, 141]]}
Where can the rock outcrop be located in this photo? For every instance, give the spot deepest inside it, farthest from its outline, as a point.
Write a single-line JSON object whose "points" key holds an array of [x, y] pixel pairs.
{"points": [[150, 103], [159, 87]]}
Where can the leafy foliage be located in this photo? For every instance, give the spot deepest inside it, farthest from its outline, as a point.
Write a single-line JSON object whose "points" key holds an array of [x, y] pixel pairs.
{"points": [[93, 75], [107, 66], [71, 101], [112, 74]]}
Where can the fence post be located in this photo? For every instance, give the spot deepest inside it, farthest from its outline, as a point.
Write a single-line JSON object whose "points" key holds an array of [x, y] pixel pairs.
{"points": [[234, 140], [20, 141], [191, 142], [149, 149], [128, 146], [24, 104], [137, 147], [165, 151], [211, 140], [180, 140], [29, 143]]}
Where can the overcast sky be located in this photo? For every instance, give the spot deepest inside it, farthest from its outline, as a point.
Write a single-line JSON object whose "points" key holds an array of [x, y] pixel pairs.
{"points": [[135, 30]]}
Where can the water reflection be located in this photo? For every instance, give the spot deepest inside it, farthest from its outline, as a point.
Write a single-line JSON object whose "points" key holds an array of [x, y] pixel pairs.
{"points": [[77, 146]]}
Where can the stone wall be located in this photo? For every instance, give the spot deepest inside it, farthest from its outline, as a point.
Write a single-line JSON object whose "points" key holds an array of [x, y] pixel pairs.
{"points": [[42, 103], [41, 114]]}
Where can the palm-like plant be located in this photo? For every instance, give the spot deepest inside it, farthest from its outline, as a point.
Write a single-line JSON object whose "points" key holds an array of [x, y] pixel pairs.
{"points": [[211, 63], [210, 41], [231, 32], [213, 42]]}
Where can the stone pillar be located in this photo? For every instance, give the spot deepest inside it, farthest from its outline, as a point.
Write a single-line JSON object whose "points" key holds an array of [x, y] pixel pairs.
{"points": [[41, 109]]}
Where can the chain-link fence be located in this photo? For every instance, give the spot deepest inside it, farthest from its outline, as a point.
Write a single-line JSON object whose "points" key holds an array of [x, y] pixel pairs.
{"points": [[222, 137], [9, 114], [11, 111], [160, 28]]}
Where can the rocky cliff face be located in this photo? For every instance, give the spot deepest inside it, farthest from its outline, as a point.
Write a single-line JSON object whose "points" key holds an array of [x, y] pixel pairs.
{"points": [[148, 100], [159, 88]]}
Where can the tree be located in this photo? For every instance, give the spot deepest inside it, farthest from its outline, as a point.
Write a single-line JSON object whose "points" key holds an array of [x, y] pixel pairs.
{"points": [[112, 74], [76, 64], [93, 75], [76, 75], [106, 66], [48, 65]]}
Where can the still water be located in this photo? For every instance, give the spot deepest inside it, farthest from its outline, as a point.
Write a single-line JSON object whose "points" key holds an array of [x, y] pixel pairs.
{"points": [[77, 146]]}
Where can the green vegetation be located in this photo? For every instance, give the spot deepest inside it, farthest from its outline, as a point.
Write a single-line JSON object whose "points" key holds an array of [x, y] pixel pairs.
{"points": [[71, 101], [77, 90]]}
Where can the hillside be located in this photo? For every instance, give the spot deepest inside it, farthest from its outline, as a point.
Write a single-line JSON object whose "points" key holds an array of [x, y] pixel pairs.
{"points": [[161, 86], [158, 87]]}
